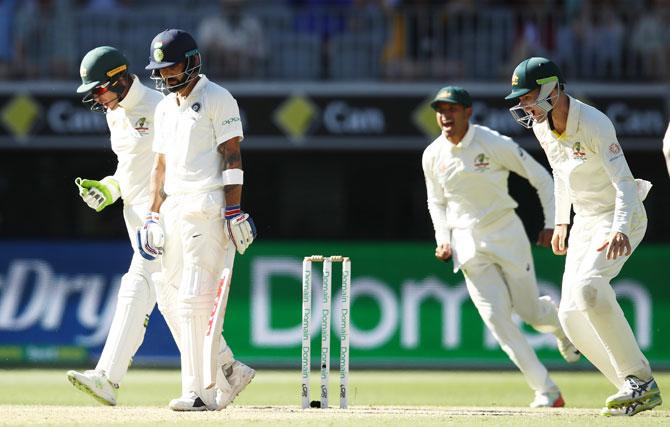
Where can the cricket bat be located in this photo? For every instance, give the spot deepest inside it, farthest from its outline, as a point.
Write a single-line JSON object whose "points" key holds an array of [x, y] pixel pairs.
{"points": [[215, 325]]}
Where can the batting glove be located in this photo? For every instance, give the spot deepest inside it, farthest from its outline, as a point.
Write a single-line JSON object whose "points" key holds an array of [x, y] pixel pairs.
{"points": [[150, 237], [98, 194], [240, 227]]}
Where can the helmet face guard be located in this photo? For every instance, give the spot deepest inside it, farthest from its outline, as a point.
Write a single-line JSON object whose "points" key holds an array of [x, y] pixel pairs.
{"points": [[544, 102], [113, 85], [191, 71]]}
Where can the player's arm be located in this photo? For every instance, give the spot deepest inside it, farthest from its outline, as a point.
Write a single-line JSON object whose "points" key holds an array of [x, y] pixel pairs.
{"points": [[666, 147], [239, 225], [150, 237], [437, 207], [516, 159]]}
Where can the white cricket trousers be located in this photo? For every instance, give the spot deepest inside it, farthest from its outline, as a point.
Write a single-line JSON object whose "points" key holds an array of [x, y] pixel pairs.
{"points": [[195, 245], [589, 311], [501, 280]]}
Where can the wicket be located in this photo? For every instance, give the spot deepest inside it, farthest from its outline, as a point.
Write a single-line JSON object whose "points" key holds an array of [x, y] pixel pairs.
{"points": [[325, 327]]}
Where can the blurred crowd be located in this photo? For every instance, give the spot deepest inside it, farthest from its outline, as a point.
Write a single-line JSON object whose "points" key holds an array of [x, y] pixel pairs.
{"points": [[348, 39]]}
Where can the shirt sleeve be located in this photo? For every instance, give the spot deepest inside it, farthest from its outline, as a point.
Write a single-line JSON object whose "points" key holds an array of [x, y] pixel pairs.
{"points": [[666, 148], [616, 167], [516, 159], [226, 118], [437, 202], [562, 197]]}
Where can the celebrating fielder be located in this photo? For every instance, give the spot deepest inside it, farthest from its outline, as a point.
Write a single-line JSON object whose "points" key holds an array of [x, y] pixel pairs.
{"points": [[590, 174], [196, 174], [466, 170], [129, 108]]}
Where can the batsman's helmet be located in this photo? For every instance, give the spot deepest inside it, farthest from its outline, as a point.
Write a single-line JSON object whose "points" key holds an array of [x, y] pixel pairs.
{"points": [[101, 69], [171, 47], [530, 74]]}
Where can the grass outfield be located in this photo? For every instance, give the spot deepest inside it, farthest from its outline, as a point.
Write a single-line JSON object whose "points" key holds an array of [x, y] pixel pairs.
{"points": [[418, 398]]}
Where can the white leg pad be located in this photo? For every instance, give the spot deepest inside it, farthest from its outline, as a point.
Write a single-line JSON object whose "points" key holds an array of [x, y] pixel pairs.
{"points": [[134, 304]]}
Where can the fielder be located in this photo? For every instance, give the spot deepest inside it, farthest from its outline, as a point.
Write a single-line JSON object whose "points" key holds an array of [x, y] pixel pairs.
{"points": [[590, 174], [466, 170], [196, 189]]}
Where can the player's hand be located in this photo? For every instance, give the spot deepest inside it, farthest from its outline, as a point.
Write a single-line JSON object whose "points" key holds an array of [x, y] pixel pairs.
{"points": [[240, 227], [617, 245], [544, 237], [98, 194], [443, 252], [150, 237], [558, 245]]}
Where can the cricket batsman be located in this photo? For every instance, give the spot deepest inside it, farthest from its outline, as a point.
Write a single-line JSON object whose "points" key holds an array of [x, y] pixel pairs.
{"points": [[466, 170], [195, 223], [592, 176]]}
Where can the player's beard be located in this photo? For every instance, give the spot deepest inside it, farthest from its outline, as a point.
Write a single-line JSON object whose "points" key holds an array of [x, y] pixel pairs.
{"points": [[180, 83]]}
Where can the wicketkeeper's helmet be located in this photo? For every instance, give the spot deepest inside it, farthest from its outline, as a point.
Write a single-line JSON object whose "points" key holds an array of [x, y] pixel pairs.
{"points": [[100, 70]]}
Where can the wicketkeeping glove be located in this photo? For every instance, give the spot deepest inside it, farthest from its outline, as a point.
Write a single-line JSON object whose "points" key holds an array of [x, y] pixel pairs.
{"points": [[150, 237], [240, 227], [98, 194]]}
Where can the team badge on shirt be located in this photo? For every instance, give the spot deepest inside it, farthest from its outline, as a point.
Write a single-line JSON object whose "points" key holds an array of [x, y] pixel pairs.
{"points": [[195, 107], [577, 152], [141, 126], [482, 162]]}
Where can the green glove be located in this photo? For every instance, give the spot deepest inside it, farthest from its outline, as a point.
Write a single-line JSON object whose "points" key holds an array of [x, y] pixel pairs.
{"points": [[98, 194]]}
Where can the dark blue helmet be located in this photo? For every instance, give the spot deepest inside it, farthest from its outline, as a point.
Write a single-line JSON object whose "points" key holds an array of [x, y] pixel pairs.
{"points": [[172, 47]]}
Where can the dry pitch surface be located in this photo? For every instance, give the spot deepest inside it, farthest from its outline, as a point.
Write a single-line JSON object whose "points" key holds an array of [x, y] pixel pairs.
{"points": [[391, 398]]}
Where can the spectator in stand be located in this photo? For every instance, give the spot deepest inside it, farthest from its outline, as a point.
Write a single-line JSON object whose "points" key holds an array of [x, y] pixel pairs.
{"points": [[42, 33], [7, 9], [233, 41], [650, 40]]}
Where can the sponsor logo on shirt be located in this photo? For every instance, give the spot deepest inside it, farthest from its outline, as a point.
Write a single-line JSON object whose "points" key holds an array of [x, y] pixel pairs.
{"points": [[231, 120], [482, 162], [615, 151], [141, 126], [577, 152]]}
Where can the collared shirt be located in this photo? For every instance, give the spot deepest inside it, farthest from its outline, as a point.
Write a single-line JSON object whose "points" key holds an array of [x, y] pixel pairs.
{"points": [[467, 182], [189, 134], [590, 170], [131, 133]]}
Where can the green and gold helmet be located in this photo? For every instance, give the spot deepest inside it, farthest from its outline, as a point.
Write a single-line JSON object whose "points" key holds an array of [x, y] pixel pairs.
{"points": [[531, 74], [100, 70]]}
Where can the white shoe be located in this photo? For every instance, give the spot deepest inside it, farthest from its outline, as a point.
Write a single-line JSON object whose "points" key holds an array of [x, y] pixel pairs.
{"points": [[238, 376], [568, 350], [552, 399], [634, 390], [95, 384], [188, 402]]}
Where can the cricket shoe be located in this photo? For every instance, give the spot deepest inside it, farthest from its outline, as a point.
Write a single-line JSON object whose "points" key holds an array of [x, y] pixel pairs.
{"points": [[568, 350], [633, 408], [552, 399], [634, 390], [95, 384], [237, 376], [188, 402]]}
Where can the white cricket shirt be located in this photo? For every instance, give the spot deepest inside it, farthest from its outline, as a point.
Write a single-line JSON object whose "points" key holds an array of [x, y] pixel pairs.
{"points": [[189, 134], [590, 170], [467, 182], [131, 126]]}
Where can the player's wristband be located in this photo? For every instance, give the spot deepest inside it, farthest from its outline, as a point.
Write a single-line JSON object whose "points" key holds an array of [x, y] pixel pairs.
{"points": [[232, 211], [233, 177]]}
